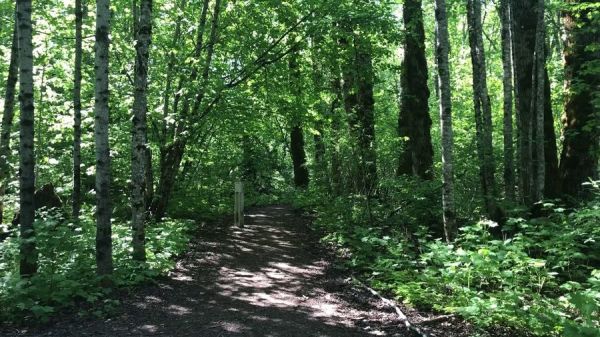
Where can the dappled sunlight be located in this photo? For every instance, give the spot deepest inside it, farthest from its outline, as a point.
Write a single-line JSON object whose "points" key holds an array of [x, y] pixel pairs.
{"points": [[178, 310], [260, 280]]}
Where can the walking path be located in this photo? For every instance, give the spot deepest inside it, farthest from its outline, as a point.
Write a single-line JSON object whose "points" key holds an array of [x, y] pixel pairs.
{"points": [[269, 278]]}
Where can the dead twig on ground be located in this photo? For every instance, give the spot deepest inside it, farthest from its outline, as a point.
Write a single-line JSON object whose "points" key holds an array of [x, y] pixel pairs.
{"points": [[403, 318]]}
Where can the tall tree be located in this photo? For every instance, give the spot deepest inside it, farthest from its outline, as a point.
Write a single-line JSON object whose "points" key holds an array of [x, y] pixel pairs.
{"points": [[365, 110], [77, 110], [414, 122], [319, 86], [104, 261], [532, 139], [552, 179], [443, 82], [297, 152], [483, 109], [8, 115], [28, 252], [538, 102], [139, 142], [579, 158], [172, 155], [507, 77], [358, 81], [301, 178], [523, 49]]}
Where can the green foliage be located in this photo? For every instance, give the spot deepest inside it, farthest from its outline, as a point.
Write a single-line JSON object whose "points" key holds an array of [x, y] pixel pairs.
{"points": [[543, 279], [66, 276]]}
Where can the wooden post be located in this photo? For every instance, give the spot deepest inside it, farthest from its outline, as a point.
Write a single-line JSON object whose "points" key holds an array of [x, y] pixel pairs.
{"points": [[238, 212]]}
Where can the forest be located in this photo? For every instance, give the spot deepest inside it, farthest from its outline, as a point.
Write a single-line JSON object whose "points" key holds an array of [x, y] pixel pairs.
{"points": [[445, 153]]}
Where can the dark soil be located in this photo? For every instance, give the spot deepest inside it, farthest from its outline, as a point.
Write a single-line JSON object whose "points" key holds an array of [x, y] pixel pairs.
{"points": [[270, 278]]}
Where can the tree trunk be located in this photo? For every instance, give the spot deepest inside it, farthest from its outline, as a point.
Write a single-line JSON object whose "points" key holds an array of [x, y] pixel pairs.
{"points": [[104, 261], [365, 111], [172, 154], [414, 121], [483, 110], [540, 61], [552, 179], [321, 167], [336, 156], [28, 253], [523, 50], [301, 178], [357, 89], [509, 165], [77, 111], [139, 142], [442, 50], [8, 117], [579, 158]]}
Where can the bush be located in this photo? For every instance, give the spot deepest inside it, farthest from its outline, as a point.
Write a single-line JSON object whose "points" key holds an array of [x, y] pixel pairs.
{"points": [[66, 273], [543, 280]]}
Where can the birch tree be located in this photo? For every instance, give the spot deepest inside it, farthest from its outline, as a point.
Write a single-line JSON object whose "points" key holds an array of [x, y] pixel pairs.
{"points": [[507, 77], [104, 262], [28, 253], [139, 141], [483, 109], [77, 110], [540, 62], [445, 104]]}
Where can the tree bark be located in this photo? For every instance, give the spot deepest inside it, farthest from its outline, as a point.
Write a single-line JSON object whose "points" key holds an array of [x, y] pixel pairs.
{"points": [[414, 122], [8, 117], [538, 102], [552, 175], [104, 261], [365, 111], [509, 164], [321, 167], [523, 50], [77, 111], [483, 110], [336, 156], [579, 157], [172, 154], [301, 178], [139, 142], [28, 252], [442, 50], [297, 152]]}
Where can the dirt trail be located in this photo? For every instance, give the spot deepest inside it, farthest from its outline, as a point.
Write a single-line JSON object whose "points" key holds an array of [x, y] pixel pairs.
{"points": [[269, 278]]}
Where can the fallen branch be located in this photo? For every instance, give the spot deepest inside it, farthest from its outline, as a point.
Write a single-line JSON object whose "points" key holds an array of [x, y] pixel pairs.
{"points": [[436, 319], [403, 318]]}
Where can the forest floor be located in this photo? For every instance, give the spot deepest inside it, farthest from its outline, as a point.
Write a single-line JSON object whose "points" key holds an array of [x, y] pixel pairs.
{"points": [[269, 278]]}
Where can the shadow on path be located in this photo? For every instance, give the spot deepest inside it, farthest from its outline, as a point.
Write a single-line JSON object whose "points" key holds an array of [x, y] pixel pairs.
{"points": [[266, 279]]}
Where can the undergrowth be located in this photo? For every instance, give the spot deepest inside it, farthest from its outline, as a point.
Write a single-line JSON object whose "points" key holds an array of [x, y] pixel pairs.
{"points": [[542, 277], [66, 276]]}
